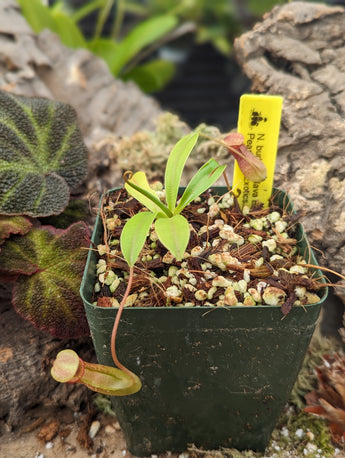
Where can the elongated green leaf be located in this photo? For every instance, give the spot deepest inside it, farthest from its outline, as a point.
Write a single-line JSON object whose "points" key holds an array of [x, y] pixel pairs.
{"points": [[69, 33], [134, 234], [38, 15], [201, 181], [152, 76], [142, 35], [174, 234], [175, 165], [41, 17], [42, 155], [50, 264], [143, 193]]}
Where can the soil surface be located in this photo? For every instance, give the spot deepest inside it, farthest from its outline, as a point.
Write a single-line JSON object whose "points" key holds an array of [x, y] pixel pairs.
{"points": [[49, 432]]}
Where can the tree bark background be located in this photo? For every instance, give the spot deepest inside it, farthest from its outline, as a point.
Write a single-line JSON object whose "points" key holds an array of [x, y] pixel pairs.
{"points": [[298, 51]]}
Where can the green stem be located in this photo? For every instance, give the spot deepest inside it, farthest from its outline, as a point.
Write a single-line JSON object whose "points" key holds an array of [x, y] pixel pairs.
{"points": [[85, 10], [116, 325], [102, 17], [119, 15]]}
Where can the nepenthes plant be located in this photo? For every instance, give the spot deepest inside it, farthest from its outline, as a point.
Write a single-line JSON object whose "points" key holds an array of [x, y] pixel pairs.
{"points": [[173, 231]]}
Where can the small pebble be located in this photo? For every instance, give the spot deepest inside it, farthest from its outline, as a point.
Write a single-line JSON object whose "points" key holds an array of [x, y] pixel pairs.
{"points": [[299, 433], [94, 428], [49, 445], [109, 429], [285, 431], [312, 448], [310, 435]]}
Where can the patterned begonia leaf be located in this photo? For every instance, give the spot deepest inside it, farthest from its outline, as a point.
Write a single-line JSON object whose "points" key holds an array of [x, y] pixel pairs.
{"points": [[13, 225], [42, 155], [47, 294], [76, 210]]}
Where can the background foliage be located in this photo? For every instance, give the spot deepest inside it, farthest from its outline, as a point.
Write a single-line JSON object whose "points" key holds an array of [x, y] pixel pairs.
{"points": [[129, 34]]}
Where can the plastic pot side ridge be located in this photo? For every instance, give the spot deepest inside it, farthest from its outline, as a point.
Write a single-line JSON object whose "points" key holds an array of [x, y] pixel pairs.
{"points": [[215, 377]]}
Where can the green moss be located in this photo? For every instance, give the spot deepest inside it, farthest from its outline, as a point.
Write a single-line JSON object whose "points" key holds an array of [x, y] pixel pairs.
{"points": [[303, 434], [297, 434], [103, 403], [149, 151]]}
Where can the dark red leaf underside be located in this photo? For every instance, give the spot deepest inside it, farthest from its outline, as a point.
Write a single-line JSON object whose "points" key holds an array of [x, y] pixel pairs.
{"points": [[49, 297]]}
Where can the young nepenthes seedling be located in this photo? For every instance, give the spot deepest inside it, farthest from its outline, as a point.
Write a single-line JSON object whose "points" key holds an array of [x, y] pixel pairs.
{"points": [[173, 231], [171, 227]]}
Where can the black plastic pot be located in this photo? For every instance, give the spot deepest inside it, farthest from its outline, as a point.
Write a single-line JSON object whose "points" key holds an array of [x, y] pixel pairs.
{"points": [[211, 376]]}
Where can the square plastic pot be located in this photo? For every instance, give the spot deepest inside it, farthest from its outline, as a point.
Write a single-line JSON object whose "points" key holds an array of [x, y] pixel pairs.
{"points": [[214, 377]]}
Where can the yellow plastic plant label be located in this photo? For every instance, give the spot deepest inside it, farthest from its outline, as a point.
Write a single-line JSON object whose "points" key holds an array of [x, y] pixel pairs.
{"points": [[259, 123]]}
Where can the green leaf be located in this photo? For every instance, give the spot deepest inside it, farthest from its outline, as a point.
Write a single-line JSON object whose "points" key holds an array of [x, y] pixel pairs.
{"points": [[106, 49], [217, 35], [38, 16], [50, 263], [69, 33], [152, 76], [13, 225], [41, 17], [174, 233], [223, 45], [142, 35], [175, 165], [201, 181], [42, 155], [134, 234], [138, 187]]}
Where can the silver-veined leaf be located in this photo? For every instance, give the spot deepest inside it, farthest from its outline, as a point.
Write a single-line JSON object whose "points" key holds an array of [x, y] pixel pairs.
{"points": [[42, 155]]}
